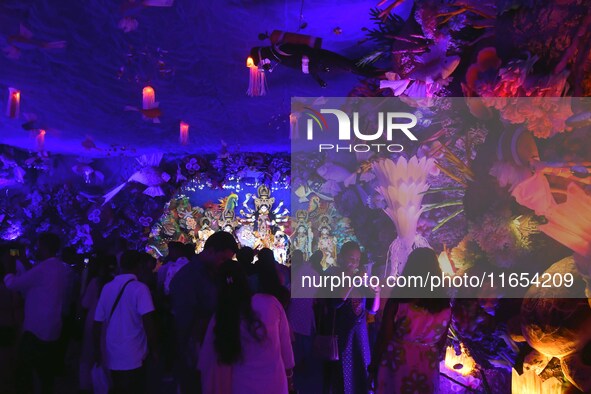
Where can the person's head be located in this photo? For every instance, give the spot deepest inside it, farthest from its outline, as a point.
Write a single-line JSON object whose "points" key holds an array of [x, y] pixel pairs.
{"points": [[131, 262], [119, 245], [269, 280], [422, 262], [70, 256], [175, 250], [266, 254], [189, 250], [245, 255], [350, 257], [234, 307], [147, 261], [102, 267], [316, 261], [48, 245], [219, 247], [297, 257]]}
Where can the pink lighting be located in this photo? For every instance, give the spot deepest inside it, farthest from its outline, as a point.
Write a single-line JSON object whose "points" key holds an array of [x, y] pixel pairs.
{"points": [[184, 133], [14, 103], [148, 98]]}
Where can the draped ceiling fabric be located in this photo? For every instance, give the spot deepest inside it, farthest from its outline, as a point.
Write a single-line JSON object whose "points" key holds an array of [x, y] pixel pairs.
{"points": [[76, 92]]}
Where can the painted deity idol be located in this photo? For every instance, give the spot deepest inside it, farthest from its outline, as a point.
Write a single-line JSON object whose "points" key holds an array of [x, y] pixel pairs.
{"points": [[203, 233], [327, 244], [265, 220], [281, 247], [302, 236]]}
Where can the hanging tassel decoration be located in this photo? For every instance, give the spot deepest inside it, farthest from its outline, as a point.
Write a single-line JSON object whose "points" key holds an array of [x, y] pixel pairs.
{"points": [[305, 65], [184, 133], [148, 98], [41, 140], [14, 103], [257, 85], [293, 125]]}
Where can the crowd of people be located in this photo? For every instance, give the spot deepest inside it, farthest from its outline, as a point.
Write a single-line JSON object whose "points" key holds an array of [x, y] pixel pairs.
{"points": [[221, 321]]}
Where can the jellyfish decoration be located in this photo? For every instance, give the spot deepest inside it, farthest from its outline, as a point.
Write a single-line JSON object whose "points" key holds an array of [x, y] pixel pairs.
{"points": [[402, 185], [40, 140], [148, 98], [184, 133], [257, 85], [14, 103]]}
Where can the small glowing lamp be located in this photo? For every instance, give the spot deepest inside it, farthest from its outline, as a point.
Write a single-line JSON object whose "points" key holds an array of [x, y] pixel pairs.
{"points": [[14, 103], [461, 363], [148, 98], [445, 263], [184, 133]]}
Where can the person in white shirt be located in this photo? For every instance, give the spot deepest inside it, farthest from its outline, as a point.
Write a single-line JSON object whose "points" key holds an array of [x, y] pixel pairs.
{"points": [[247, 348], [44, 290], [126, 309]]}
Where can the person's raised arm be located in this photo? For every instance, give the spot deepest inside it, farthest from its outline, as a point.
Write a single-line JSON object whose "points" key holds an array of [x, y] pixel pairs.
{"points": [[25, 281]]}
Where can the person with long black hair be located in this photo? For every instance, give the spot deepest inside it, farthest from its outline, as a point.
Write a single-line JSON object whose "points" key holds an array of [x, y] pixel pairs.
{"points": [[269, 281], [413, 333], [247, 347]]}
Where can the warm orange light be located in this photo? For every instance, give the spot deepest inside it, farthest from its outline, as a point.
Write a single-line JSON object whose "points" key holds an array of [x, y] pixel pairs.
{"points": [[462, 363], [14, 103], [184, 133], [530, 383], [250, 62], [41, 140], [148, 97], [445, 263]]}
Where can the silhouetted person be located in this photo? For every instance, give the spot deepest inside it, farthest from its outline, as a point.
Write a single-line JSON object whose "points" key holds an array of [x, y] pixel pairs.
{"points": [[193, 300], [44, 288]]}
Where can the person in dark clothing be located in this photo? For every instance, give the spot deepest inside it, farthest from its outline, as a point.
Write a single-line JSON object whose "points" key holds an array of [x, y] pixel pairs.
{"points": [[269, 281], [193, 301]]}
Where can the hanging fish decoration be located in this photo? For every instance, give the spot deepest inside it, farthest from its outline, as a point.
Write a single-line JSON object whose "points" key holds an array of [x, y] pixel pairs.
{"points": [[8, 163], [130, 8], [89, 144], [334, 175], [30, 122], [89, 174], [150, 114], [23, 40], [149, 175]]}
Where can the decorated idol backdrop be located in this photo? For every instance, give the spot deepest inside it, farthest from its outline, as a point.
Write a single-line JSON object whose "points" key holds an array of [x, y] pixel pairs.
{"points": [[146, 199], [256, 214]]}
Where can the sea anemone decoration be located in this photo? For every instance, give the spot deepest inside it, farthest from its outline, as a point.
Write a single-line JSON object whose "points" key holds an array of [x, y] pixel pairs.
{"points": [[402, 185]]}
